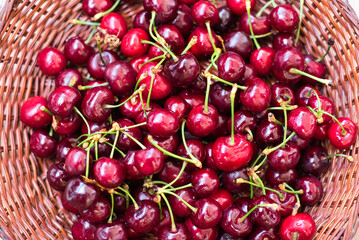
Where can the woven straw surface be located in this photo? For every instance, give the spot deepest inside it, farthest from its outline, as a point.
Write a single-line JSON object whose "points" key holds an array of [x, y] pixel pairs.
{"points": [[29, 209]]}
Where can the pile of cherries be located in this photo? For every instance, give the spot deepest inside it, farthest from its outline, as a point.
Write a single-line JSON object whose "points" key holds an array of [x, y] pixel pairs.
{"points": [[185, 127]]}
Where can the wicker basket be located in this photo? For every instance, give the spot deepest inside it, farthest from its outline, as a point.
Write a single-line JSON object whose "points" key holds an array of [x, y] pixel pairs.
{"points": [[30, 209]]}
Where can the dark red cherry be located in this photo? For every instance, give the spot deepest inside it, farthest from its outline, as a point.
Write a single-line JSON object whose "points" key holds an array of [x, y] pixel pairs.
{"points": [[62, 101], [312, 190], [178, 207], [131, 45], [83, 229], [242, 203], [262, 60], [269, 133], [169, 143], [181, 232], [195, 147], [98, 212], [203, 47], [313, 161], [121, 77], [183, 21], [94, 127], [154, 51], [77, 51], [232, 224], [219, 96], [131, 108], [193, 99], [203, 11], [143, 219], [142, 20], [172, 36], [300, 225], [162, 123], [80, 195], [124, 142], [303, 122], [109, 172], [94, 103], [76, 160], [260, 25], [249, 73], [264, 216], [321, 132], [260, 233], [243, 120], [119, 204], [226, 236], [183, 71], [283, 92], [141, 194], [284, 18], [111, 231], [231, 66], [225, 21], [64, 146], [42, 144], [165, 9], [284, 158], [149, 161], [67, 206], [314, 68], [286, 59], [199, 233], [68, 125], [201, 123], [132, 172], [238, 42], [326, 104], [177, 105], [339, 139], [165, 220], [92, 7], [301, 143], [137, 62], [114, 24], [96, 66], [171, 170], [69, 77], [275, 178], [284, 40], [51, 61], [256, 98], [221, 129], [223, 197], [31, 114], [208, 214], [238, 7], [57, 176], [286, 203], [304, 93], [204, 181], [228, 180], [209, 162]]}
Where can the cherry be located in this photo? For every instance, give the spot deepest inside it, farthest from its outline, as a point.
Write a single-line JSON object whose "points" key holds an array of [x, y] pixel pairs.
{"points": [[111, 231], [199, 233], [242, 203], [62, 101], [32, 115], [304, 93], [80, 195], [221, 129], [94, 103], [201, 121], [92, 84], [154, 51], [229, 180], [169, 143], [225, 20], [144, 217], [183, 21], [83, 229], [303, 122], [238, 42], [287, 202], [275, 178], [42, 144], [69, 77], [260, 24], [284, 18], [165, 220], [238, 7], [51, 61], [203, 47], [64, 146], [284, 40], [162, 123], [96, 66], [178, 207], [196, 148], [301, 143], [266, 217], [57, 176], [204, 181], [98, 212], [193, 99], [119, 204], [92, 7], [142, 20], [209, 162], [131, 108], [76, 161], [68, 125], [260, 233], [326, 105], [321, 132], [284, 158], [77, 51], [181, 232], [223, 197], [114, 24], [109, 172], [300, 226], [94, 127], [170, 171], [269, 133], [249, 73], [243, 121], [177, 105], [141, 194], [121, 77], [172, 36], [165, 9], [262, 60], [232, 224], [183, 71], [131, 45], [67, 206], [230, 66], [340, 139], [226, 236], [132, 172], [149, 161], [125, 142], [312, 190], [283, 92], [314, 161], [317, 69], [257, 96], [137, 62], [208, 213], [219, 96], [203, 11], [286, 59]]}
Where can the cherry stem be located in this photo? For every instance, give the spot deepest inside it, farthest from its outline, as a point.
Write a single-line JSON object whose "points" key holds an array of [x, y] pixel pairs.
{"points": [[91, 35], [153, 59], [216, 78], [173, 224], [142, 87], [232, 96], [300, 22], [76, 21], [248, 8], [113, 147], [257, 180], [193, 209], [51, 132], [83, 118], [185, 143], [134, 139], [100, 52], [318, 99], [43, 108], [167, 153], [251, 187], [80, 87], [285, 121], [88, 78], [143, 104], [182, 187], [330, 43], [112, 208], [273, 3], [214, 3], [241, 180], [152, 81], [271, 205], [208, 26], [326, 82], [271, 118], [267, 151], [249, 135], [261, 163], [295, 236], [118, 150], [214, 58], [88, 159], [265, 6], [284, 187], [288, 107], [205, 110], [96, 150], [350, 158], [129, 195], [257, 159], [154, 44], [344, 132], [184, 164], [101, 14], [262, 35], [192, 42]]}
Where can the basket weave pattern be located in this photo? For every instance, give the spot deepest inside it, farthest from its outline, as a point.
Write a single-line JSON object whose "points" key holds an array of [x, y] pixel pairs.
{"points": [[30, 209]]}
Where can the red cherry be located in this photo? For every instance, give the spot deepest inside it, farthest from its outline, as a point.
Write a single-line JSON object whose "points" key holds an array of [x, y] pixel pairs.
{"points": [[121, 77], [143, 219], [302, 225], [69, 77], [149, 161], [131, 45], [203, 11], [181, 232], [51, 61], [274, 178], [303, 122], [42, 144], [92, 7], [203, 47], [223, 197], [178, 207], [231, 66], [238, 42], [138, 61], [257, 96], [304, 93], [336, 136], [262, 60], [229, 180], [165, 9], [172, 36], [284, 18], [31, 114], [77, 51], [312, 190], [260, 25], [238, 7], [162, 123], [208, 214], [183, 21], [98, 212], [109, 172], [62, 101], [204, 182], [96, 66], [114, 24], [83, 229], [286, 59], [326, 104], [199, 233], [232, 224], [201, 123], [284, 40]]}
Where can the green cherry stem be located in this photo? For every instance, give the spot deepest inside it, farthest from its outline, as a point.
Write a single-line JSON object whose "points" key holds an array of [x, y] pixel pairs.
{"points": [[154, 44], [88, 78], [96, 150], [102, 14], [205, 109], [91, 35], [248, 8], [265, 6], [216, 78], [261, 163], [263, 35], [193, 209], [288, 108], [113, 147], [344, 132], [118, 150], [185, 143], [43, 108], [100, 52], [326, 82], [83, 118], [300, 22], [284, 187], [142, 104], [192, 42], [267, 151], [232, 96], [129, 195], [51, 132], [350, 158], [142, 87], [112, 208], [330, 43], [153, 59], [271, 205], [214, 58], [271, 118], [134, 139], [88, 159], [273, 3], [257, 159], [241, 180], [81, 88], [173, 224], [76, 21], [182, 187], [208, 26], [152, 81], [184, 164]]}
